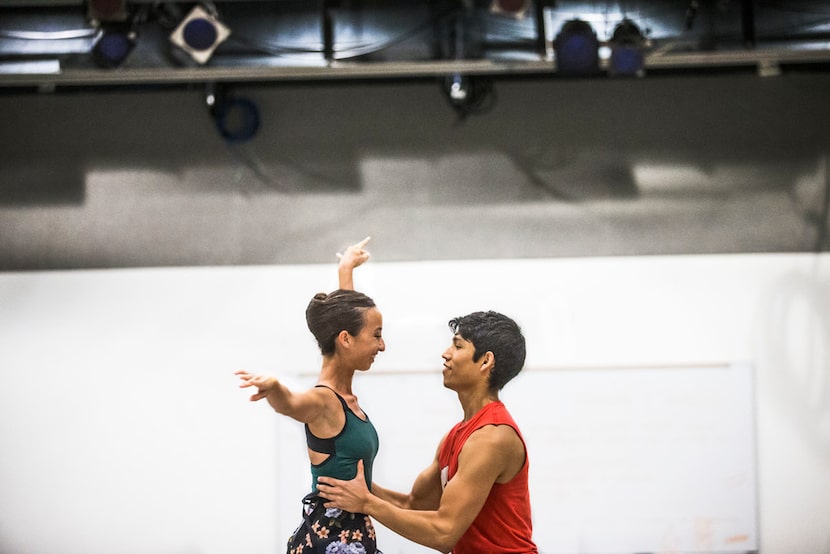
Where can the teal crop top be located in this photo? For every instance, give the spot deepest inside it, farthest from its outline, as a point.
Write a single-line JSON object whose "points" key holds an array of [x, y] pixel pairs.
{"points": [[358, 440]]}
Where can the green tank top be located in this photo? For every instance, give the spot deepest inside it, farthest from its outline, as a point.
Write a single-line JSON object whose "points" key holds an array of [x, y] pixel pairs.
{"points": [[358, 440]]}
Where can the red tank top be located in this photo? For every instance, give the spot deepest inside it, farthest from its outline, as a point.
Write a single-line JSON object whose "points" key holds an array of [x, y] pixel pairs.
{"points": [[504, 524]]}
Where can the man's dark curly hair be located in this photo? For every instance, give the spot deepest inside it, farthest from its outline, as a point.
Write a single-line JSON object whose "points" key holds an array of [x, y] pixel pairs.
{"points": [[496, 333]]}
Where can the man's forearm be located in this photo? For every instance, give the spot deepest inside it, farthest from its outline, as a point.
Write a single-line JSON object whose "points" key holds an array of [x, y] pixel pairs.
{"points": [[425, 527], [395, 498], [420, 498]]}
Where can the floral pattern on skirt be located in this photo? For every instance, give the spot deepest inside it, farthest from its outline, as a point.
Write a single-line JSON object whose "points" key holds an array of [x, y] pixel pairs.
{"points": [[332, 531]]}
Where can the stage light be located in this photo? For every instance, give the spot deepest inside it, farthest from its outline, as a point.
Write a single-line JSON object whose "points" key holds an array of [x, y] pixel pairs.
{"points": [[627, 45], [510, 8], [458, 89], [106, 10], [199, 34], [469, 95], [577, 49], [113, 46]]}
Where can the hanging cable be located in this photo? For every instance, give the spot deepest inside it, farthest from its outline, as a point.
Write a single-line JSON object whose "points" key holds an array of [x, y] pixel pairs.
{"points": [[824, 218]]}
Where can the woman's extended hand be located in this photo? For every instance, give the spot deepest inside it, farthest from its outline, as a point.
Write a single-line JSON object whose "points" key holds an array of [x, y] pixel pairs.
{"points": [[264, 383], [351, 258], [354, 255]]}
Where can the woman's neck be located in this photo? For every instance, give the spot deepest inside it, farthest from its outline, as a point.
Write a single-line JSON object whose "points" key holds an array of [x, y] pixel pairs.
{"points": [[334, 376]]}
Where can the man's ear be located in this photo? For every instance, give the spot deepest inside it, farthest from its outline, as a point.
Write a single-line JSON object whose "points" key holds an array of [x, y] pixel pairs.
{"points": [[488, 361]]}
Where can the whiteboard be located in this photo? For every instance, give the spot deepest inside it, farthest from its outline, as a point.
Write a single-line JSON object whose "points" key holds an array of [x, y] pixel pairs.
{"points": [[622, 460], [640, 460]]}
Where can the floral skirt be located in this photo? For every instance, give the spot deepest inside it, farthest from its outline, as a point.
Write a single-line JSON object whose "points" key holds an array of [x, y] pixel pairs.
{"points": [[332, 531]]}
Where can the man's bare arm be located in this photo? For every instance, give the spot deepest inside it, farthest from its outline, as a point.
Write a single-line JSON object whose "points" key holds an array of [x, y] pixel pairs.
{"points": [[425, 493], [483, 461]]}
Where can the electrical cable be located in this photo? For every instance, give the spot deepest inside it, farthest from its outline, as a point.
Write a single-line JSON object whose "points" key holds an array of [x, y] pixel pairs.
{"points": [[824, 218]]}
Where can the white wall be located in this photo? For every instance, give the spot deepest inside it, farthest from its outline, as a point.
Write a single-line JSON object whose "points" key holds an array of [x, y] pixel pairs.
{"points": [[122, 430]]}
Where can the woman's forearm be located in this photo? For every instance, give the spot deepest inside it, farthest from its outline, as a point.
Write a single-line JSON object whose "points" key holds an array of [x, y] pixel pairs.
{"points": [[279, 397], [345, 277]]}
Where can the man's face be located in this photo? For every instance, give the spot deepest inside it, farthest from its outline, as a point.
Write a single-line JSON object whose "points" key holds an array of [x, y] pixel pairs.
{"points": [[460, 371]]}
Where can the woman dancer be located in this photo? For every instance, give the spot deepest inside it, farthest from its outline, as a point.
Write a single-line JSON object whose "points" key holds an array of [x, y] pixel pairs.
{"points": [[347, 326]]}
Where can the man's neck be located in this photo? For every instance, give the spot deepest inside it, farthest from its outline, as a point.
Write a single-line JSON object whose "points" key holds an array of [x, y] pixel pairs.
{"points": [[473, 401]]}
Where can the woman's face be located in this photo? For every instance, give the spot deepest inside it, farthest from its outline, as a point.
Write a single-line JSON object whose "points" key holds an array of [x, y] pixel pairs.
{"points": [[369, 341]]}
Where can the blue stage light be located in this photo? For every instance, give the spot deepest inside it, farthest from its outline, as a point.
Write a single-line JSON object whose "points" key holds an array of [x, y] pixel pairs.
{"points": [[577, 49], [199, 34], [627, 46], [113, 47]]}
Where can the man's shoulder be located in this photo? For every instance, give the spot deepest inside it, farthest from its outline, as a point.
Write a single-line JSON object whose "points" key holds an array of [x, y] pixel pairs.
{"points": [[494, 435], [500, 444]]}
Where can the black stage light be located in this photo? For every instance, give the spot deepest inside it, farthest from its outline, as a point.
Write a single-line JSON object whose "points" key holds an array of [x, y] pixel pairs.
{"points": [[627, 46], [113, 46], [199, 34], [577, 49]]}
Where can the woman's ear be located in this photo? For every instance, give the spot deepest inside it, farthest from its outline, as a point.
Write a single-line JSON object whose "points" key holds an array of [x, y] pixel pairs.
{"points": [[344, 339]]}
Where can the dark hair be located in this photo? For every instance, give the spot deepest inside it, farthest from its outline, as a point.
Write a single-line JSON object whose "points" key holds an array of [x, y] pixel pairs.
{"points": [[496, 333], [341, 310]]}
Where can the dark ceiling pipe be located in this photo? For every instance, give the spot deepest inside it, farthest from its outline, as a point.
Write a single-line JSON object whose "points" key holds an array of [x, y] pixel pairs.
{"points": [[541, 35], [748, 23], [327, 20]]}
